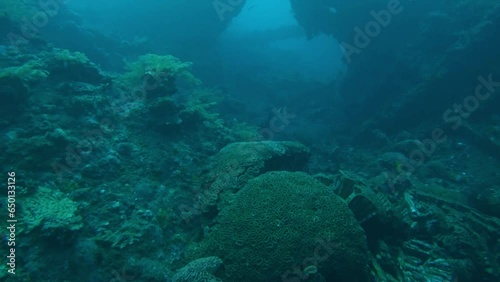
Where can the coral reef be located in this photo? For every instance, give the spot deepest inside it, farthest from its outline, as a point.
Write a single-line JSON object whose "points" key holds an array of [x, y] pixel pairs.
{"points": [[133, 175]]}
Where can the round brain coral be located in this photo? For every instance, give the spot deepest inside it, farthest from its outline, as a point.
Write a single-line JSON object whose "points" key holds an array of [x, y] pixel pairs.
{"points": [[280, 225]]}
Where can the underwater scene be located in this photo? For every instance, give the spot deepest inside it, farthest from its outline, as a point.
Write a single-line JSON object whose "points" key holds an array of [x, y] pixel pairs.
{"points": [[250, 140]]}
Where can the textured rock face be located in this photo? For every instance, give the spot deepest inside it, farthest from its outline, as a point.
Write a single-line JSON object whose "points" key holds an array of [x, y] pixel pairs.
{"points": [[283, 224], [267, 155], [238, 162]]}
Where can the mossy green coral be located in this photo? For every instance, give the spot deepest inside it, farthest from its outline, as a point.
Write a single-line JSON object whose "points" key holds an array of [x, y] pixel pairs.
{"points": [[198, 110], [39, 68], [160, 68], [15, 10], [64, 56], [30, 72], [52, 212], [279, 222]]}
